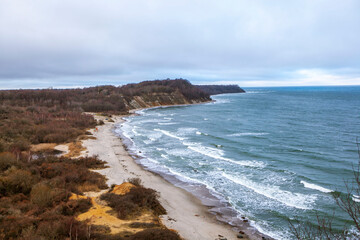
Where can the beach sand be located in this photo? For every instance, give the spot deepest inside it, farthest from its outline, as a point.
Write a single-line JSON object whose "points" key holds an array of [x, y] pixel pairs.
{"points": [[185, 213]]}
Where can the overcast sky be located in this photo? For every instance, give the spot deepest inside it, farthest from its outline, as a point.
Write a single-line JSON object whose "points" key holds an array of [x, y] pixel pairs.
{"points": [[67, 43]]}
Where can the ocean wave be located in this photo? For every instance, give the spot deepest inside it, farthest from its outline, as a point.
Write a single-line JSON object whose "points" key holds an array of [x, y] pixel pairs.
{"points": [[290, 199], [169, 134], [200, 133], [356, 198], [218, 154], [220, 101], [184, 131], [315, 187], [166, 123], [184, 178], [247, 134]]}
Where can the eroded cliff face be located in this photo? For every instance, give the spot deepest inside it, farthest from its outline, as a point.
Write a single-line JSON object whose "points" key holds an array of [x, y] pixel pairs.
{"points": [[160, 99]]}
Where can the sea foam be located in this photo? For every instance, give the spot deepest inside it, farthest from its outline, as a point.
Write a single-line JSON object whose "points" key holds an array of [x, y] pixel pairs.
{"points": [[315, 187], [247, 134], [295, 200], [169, 134], [218, 154]]}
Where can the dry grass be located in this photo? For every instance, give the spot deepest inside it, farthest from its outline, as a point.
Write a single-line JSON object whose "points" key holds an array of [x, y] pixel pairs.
{"points": [[85, 137], [75, 149], [88, 187], [43, 147]]}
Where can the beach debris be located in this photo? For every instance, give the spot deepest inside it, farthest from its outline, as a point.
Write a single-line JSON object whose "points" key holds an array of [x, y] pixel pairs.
{"points": [[240, 236], [171, 219], [221, 237]]}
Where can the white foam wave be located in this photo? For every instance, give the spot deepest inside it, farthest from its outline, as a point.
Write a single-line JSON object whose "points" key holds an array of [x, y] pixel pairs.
{"points": [[169, 134], [198, 133], [221, 101], [166, 123], [218, 154], [184, 178], [356, 198], [315, 187], [167, 118], [295, 200], [247, 134]]}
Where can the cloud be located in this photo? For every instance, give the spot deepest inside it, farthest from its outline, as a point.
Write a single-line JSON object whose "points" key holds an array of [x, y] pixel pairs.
{"points": [[78, 43]]}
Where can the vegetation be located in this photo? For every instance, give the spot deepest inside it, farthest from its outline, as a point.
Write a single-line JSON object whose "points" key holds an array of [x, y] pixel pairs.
{"points": [[218, 89], [102, 98], [156, 234], [22, 126], [34, 196], [134, 202]]}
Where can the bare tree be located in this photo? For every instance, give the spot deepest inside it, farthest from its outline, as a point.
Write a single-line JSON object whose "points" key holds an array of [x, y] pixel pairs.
{"points": [[348, 202]]}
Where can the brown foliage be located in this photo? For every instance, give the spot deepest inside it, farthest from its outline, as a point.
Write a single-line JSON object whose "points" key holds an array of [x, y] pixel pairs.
{"points": [[16, 181], [7, 160], [134, 201], [156, 234], [34, 196]]}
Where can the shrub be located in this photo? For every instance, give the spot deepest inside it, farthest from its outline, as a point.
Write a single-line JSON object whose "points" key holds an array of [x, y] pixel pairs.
{"points": [[123, 205], [135, 181], [20, 144], [147, 198], [3, 146], [156, 234], [75, 206], [41, 195], [131, 203], [44, 196], [6, 161], [11, 227], [18, 181]]}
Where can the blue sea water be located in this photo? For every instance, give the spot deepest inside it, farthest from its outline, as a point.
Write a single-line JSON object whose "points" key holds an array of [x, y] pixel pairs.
{"points": [[272, 154]]}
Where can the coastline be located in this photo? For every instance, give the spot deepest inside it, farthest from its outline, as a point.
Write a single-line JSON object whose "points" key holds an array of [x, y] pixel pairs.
{"points": [[185, 213]]}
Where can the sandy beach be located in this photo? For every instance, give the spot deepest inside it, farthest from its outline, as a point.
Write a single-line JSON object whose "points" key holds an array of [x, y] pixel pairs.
{"points": [[185, 213]]}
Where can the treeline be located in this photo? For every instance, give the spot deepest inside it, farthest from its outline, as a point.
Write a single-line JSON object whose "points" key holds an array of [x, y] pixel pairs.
{"points": [[219, 89], [22, 126], [56, 115], [102, 98]]}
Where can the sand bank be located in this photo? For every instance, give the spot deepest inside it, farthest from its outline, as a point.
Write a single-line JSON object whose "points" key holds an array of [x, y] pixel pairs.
{"points": [[185, 213]]}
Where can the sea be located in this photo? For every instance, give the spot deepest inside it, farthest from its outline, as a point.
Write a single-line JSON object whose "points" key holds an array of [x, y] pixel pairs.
{"points": [[270, 155]]}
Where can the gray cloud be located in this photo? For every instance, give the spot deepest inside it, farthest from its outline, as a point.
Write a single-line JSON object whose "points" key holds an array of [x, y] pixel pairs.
{"points": [[78, 43]]}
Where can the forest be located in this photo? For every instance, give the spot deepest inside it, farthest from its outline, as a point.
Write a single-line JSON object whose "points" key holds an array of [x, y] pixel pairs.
{"points": [[219, 89]]}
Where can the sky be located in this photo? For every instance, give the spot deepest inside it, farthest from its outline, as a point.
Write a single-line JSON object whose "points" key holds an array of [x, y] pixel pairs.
{"points": [[67, 43]]}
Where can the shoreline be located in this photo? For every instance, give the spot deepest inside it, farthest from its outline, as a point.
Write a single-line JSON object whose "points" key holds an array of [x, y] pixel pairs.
{"points": [[185, 212]]}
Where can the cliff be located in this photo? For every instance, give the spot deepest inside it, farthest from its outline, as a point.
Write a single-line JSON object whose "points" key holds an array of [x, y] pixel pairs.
{"points": [[108, 98], [219, 89]]}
